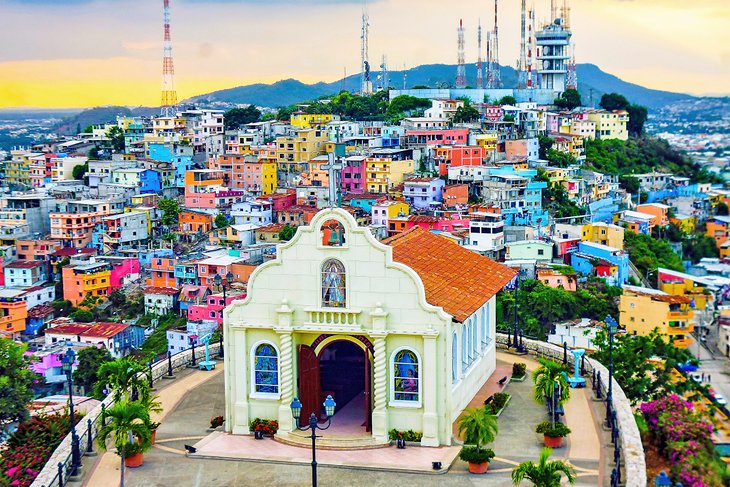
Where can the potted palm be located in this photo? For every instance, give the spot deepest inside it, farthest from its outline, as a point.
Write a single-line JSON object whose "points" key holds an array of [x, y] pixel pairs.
{"points": [[478, 428], [128, 427], [152, 405], [545, 473], [551, 385], [553, 433], [120, 378]]}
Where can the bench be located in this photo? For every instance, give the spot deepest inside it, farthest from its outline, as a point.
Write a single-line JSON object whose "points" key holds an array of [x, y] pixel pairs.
{"points": [[502, 381]]}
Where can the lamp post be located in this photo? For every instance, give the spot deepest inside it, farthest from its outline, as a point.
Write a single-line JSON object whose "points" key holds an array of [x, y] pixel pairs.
{"points": [[612, 327], [219, 282], [67, 362], [296, 412], [517, 342]]}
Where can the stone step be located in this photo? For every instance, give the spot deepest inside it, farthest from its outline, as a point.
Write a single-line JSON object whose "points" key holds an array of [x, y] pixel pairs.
{"points": [[304, 440]]}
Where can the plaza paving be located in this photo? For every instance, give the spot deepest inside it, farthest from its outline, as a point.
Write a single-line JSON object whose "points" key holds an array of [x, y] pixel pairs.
{"points": [[194, 397]]}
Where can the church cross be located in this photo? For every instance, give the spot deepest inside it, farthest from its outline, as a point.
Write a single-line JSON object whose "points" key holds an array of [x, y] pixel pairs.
{"points": [[333, 168]]}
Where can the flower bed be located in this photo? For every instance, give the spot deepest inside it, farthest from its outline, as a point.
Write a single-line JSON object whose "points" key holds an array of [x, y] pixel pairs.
{"points": [[267, 427], [30, 447], [409, 436], [497, 403], [519, 371], [684, 436]]}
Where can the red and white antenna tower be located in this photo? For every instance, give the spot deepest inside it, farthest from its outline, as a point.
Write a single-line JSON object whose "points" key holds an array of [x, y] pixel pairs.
{"points": [[461, 68], [522, 67], [571, 80], [530, 81], [494, 78], [480, 65], [169, 95]]}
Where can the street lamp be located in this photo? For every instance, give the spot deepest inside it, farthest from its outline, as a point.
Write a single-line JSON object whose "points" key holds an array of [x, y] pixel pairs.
{"points": [[296, 412], [516, 342], [222, 284], [612, 327], [67, 362]]}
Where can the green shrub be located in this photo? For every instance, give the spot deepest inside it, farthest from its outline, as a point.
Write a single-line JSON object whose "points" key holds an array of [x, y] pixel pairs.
{"points": [[409, 435], [498, 402], [472, 454], [558, 431], [519, 369]]}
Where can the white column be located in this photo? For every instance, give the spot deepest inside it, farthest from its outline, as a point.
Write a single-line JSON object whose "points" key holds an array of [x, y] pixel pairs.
{"points": [[239, 374], [429, 377], [286, 380], [380, 389]]}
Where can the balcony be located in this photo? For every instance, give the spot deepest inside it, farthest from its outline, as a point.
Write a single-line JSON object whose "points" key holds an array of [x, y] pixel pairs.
{"points": [[332, 316]]}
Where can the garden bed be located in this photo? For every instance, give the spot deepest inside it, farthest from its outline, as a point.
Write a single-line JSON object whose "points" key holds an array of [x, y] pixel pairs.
{"points": [[498, 403]]}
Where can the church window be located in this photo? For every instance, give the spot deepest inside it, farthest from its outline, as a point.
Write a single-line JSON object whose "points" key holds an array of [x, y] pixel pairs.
{"points": [[455, 358], [485, 326], [464, 347], [333, 234], [333, 284], [265, 369], [406, 376]]}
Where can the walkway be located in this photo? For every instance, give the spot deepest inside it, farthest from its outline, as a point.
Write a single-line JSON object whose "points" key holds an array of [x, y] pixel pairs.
{"points": [[197, 397]]}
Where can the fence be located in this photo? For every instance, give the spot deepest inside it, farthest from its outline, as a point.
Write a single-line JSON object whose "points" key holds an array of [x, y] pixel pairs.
{"points": [[628, 452], [56, 471]]}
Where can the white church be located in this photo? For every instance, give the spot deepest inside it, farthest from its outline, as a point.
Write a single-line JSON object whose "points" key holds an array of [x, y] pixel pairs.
{"points": [[400, 333]]}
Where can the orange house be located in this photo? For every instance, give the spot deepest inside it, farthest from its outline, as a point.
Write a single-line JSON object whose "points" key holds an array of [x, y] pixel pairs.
{"points": [[659, 211], [90, 279], [13, 313], [460, 155], [718, 227], [162, 273], [456, 194], [195, 222]]}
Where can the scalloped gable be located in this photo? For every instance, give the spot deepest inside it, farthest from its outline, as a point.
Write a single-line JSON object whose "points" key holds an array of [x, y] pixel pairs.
{"points": [[456, 279]]}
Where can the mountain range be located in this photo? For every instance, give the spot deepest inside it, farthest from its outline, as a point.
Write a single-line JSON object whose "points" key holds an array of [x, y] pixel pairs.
{"points": [[592, 83]]}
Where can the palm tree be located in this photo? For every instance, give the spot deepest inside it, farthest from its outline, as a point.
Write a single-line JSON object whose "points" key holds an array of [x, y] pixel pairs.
{"points": [[545, 473], [122, 376], [478, 427], [127, 426], [546, 377]]}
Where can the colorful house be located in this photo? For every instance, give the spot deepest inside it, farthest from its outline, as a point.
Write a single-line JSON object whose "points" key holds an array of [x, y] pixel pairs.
{"points": [[382, 174], [13, 313], [25, 273], [160, 300], [162, 272], [529, 250], [422, 193], [191, 221], [557, 277], [120, 339], [643, 309], [658, 211], [602, 261], [192, 295], [605, 234], [718, 227], [213, 308], [90, 279], [456, 195], [686, 223], [384, 210]]}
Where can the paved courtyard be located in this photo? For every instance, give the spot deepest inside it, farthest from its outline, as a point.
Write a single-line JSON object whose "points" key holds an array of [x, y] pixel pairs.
{"points": [[195, 397]]}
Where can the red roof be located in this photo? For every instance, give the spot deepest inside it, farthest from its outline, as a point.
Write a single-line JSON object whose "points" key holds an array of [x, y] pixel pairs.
{"points": [[24, 264], [457, 279], [420, 180], [40, 311], [423, 219], [95, 330], [161, 290]]}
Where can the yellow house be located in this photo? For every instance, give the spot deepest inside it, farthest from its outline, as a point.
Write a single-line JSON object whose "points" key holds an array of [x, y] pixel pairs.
{"points": [[610, 125], [300, 148], [382, 174], [604, 233], [681, 284], [487, 141], [309, 120], [643, 309], [686, 223]]}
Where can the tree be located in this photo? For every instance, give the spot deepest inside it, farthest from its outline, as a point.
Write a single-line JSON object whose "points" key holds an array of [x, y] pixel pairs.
{"points": [[62, 308], [700, 247], [545, 473], [569, 100], [614, 101], [630, 183], [94, 153], [80, 170], [287, 233], [546, 378], [560, 158], [116, 134], [90, 359], [121, 376], [118, 298], [507, 100], [648, 253], [170, 211], [284, 113], [545, 144], [637, 118], [220, 221], [89, 129], [721, 209], [16, 380], [83, 316], [126, 420], [478, 427], [236, 118], [466, 114]]}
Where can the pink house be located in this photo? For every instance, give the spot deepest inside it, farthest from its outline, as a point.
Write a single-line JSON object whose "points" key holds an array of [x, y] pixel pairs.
{"points": [[49, 365], [214, 199], [433, 223], [438, 136], [122, 269], [352, 177], [280, 201], [213, 309], [555, 278]]}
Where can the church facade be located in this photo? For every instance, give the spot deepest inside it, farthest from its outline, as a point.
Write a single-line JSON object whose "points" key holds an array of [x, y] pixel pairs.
{"points": [[400, 333]]}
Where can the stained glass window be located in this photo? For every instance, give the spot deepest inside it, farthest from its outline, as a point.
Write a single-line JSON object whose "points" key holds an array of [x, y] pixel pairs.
{"points": [[406, 376], [333, 284], [266, 369]]}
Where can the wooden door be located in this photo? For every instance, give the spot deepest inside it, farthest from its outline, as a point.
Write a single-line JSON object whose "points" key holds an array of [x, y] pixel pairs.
{"points": [[368, 394], [309, 387]]}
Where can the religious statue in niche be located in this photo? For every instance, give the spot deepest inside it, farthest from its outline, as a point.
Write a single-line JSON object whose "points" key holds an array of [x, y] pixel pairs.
{"points": [[333, 284], [333, 234]]}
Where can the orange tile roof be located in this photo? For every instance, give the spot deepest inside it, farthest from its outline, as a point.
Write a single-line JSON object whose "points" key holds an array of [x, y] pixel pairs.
{"points": [[457, 279]]}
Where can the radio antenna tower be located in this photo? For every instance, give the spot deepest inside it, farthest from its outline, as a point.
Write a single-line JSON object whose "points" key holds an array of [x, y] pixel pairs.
{"points": [[480, 65], [384, 75], [522, 66], [366, 86], [494, 78], [169, 95], [461, 68], [530, 81], [405, 76], [571, 81]]}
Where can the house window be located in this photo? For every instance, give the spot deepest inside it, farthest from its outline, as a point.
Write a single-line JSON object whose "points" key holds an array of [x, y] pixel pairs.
{"points": [[406, 377], [265, 368], [454, 358], [333, 284]]}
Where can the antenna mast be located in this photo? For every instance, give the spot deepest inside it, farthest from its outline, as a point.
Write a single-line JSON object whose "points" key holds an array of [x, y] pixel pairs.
{"points": [[169, 95], [461, 69], [366, 87], [480, 66]]}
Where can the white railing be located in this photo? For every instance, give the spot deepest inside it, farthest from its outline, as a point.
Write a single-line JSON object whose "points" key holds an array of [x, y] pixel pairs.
{"points": [[332, 316]]}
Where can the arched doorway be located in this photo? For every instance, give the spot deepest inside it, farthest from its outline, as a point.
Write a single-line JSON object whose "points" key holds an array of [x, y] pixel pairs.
{"points": [[340, 368]]}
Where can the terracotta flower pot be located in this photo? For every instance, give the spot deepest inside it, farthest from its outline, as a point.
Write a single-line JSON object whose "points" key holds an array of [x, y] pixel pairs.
{"points": [[479, 468], [153, 437], [551, 442], [134, 461]]}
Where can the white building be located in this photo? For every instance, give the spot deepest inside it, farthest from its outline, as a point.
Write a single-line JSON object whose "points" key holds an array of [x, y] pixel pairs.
{"points": [[160, 300], [63, 167], [577, 334], [486, 232], [180, 339], [252, 211]]}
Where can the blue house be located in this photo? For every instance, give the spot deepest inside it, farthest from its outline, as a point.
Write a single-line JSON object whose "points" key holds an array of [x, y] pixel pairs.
{"points": [[146, 256], [594, 259], [363, 201], [180, 156], [151, 181]]}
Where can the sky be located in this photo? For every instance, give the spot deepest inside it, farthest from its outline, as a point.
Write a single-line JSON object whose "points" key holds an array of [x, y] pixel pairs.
{"points": [[81, 53]]}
